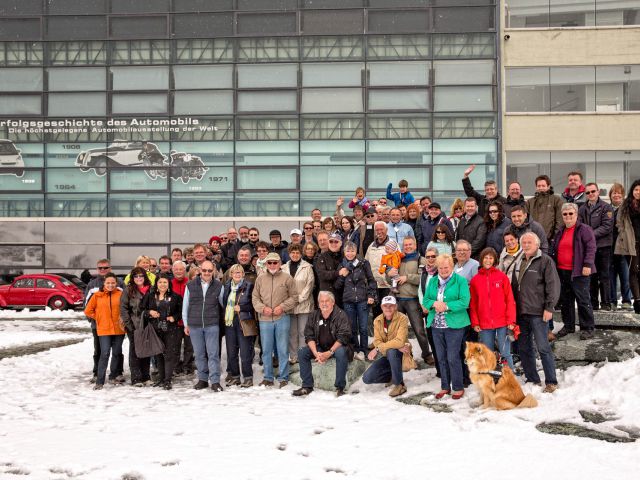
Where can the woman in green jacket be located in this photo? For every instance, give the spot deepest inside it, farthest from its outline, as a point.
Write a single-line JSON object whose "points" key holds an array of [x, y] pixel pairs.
{"points": [[447, 300]]}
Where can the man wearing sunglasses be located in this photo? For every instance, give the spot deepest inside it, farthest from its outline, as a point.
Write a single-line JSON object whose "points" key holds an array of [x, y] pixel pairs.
{"points": [[367, 234]]}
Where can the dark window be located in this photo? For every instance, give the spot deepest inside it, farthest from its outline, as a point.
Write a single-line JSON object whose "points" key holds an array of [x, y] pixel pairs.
{"points": [[44, 283], [20, 7], [203, 25], [138, 27], [333, 3], [400, 3], [474, 19], [446, 3], [202, 5], [76, 28], [408, 21], [73, 7], [267, 4], [266, 23], [23, 283], [332, 21], [139, 6], [19, 28]]}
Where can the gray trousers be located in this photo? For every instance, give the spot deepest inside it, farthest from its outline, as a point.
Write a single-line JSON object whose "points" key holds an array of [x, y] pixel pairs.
{"points": [[296, 333], [411, 308]]}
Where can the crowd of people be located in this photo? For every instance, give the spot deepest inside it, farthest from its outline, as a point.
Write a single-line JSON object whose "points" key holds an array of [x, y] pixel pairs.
{"points": [[493, 271]]}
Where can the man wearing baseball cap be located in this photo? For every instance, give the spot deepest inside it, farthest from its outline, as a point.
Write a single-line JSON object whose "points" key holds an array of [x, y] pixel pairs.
{"points": [[296, 235], [278, 245], [390, 341]]}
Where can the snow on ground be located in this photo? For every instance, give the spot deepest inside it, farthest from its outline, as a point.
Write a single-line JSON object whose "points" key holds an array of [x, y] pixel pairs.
{"points": [[24, 332], [54, 426], [44, 314]]}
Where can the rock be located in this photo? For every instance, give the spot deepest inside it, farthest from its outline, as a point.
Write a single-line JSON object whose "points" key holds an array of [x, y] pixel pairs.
{"points": [[596, 417], [572, 429], [324, 375], [633, 432], [617, 319], [606, 345], [425, 399], [414, 399]]}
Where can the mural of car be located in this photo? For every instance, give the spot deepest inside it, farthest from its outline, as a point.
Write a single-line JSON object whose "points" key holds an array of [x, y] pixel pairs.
{"points": [[186, 166], [122, 153], [10, 159], [41, 290]]}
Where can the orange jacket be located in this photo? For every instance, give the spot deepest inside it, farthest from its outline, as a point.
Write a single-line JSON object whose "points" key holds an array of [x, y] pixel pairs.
{"points": [[104, 308], [390, 260]]}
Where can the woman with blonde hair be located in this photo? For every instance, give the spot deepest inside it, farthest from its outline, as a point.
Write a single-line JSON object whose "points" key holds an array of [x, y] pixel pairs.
{"points": [[143, 262], [457, 210]]}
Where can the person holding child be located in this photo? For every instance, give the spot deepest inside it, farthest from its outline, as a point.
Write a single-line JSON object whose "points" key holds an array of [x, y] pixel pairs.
{"points": [[391, 261]]}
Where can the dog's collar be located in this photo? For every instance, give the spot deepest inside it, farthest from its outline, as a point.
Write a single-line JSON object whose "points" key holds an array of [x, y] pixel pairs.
{"points": [[495, 374]]}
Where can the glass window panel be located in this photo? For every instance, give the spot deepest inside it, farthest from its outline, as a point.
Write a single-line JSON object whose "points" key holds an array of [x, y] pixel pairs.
{"points": [[464, 45], [29, 181], [398, 46], [17, 156], [201, 5], [332, 3], [618, 13], [20, 79], [124, 256], [265, 204], [135, 179], [331, 177], [331, 152], [22, 256], [65, 154], [267, 153], [202, 24], [19, 29], [332, 48], [16, 205], [461, 99], [77, 78], [20, 104], [466, 72], [76, 28], [332, 74], [470, 151], [80, 104], [398, 73], [20, 7], [267, 4], [263, 76], [215, 179], [74, 205], [211, 153], [617, 88], [528, 14], [139, 103], [72, 180], [571, 161], [572, 89], [208, 205], [402, 21], [202, 76], [442, 175], [266, 23], [267, 49], [379, 177], [610, 167], [76, 6], [73, 255], [203, 102], [139, 6], [525, 167], [463, 19], [328, 100], [332, 22], [398, 152], [571, 13], [414, 99], [138, 27], [267, 101], [527, 89], [267, 178], [140, 78]]}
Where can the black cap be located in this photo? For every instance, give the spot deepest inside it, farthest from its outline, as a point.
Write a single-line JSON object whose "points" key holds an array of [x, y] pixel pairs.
{"points": [[435, 205], [371, 210], [273, 233]]}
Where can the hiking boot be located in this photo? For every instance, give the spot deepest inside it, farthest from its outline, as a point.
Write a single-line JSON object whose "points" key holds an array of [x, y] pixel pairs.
{"points": [[429, 360], [266, 383], [98, 386], [247, 383], [167, 386], [200, 385], [232, 381], [551, 336], [94, 379], [586, 334], [397, 390], [302, 392], [340, 392], [283, 383], [606, 307], [550, 388], [216, 387], [564, 332], [636, 306]]}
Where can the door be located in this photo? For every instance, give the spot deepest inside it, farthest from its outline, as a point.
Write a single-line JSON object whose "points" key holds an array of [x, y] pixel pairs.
{"points": [[21, 292]]}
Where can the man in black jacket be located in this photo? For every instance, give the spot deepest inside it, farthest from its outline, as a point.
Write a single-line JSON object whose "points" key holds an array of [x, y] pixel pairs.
{"points": [[490, 191], [327, 334], [514, 197], [472, 228], [327, 266]]}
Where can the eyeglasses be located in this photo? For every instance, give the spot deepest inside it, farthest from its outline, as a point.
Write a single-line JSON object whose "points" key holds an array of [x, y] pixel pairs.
{"points": [[139, 276], [206, 270], [334, 241], [104, 268], [493, 211], [430, 256], [223, 238], [441, 233], [308, 228], [568, 214], [273, 262], [253, 234], [153, 265], [589, 192]]}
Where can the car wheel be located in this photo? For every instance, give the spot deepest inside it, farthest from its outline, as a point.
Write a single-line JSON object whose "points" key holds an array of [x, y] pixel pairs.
{"points": [[57, 303], [100, 167], [19, 173], [84, 169]]}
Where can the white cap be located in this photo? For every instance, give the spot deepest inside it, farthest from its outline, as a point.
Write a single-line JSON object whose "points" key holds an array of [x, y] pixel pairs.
{"points": [[389, 300], [296, 231]]}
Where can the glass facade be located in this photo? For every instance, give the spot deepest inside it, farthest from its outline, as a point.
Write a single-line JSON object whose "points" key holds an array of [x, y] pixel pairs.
{"points": [[238, 107], [571, 13]]}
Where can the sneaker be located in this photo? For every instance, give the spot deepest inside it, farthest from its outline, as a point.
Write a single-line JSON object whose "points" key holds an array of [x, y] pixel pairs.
{"points": [[302, 392], [550, 388], [216, 387], [397, 390], [586, 334], [606, 307], [551, 336], [283, 383], [232, 381], [200, 385], [429, 360], [266, 383], [564, 332], [627, 306], [340, 392], [359, 356], [247, 383], [98, 386]]}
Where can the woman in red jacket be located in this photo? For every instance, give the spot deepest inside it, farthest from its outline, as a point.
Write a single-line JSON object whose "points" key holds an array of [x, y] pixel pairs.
{"points": [[492, 307]]}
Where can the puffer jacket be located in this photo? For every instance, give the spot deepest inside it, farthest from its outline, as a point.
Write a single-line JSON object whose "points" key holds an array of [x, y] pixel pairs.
{"points": [[394, 336], [546, 209], [359, 285], [305, 283], [272, 290], [104, 308], [492, 304], [131, 309], [374, 257]]}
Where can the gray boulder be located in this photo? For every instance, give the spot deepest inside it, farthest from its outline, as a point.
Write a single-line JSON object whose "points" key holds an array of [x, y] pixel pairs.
{"points": [[606, 345], [324, 375]]}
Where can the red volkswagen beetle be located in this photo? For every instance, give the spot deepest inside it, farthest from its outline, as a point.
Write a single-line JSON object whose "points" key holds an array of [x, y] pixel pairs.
{"points": [[40, 290]]}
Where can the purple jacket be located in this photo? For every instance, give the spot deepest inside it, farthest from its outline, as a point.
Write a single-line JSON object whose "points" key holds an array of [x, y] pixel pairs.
{"points": [[584, 248]]}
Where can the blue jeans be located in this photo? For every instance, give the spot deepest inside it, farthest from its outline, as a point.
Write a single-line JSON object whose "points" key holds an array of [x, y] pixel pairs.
{"points": [[385, 369], [534, 326], [237, 342], [448, 342], [275, 336], [342, 363], [109, 344], [491, 336], [619, 269], [358, 313], [206, 348]]}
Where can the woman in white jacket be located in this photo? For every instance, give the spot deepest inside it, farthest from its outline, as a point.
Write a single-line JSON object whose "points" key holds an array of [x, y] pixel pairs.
{"points": [[302, 273]]}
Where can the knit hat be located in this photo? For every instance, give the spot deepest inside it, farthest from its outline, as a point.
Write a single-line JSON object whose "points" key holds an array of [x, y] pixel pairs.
{"points": [[392, 244], [216, 238]]}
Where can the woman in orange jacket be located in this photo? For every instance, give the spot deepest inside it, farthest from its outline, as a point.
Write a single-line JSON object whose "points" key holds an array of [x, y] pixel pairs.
{"points": [[492, 308], [104, 308]]}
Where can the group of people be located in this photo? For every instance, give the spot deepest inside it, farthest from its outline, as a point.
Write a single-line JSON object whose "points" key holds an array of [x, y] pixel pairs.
{"points": [[493, 271]]}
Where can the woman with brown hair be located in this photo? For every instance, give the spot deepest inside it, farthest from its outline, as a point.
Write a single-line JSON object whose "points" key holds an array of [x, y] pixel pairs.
{"points": [[619, 264], [628, 242]]}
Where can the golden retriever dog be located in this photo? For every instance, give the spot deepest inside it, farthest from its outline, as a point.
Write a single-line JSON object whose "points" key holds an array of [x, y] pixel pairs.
{"points": [[503, 395]]}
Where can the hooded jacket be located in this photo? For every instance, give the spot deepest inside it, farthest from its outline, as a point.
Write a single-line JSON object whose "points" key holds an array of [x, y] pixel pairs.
{"points": [[546, 209], [579, 198], [359, 285], [104, 308], [492, 304]]}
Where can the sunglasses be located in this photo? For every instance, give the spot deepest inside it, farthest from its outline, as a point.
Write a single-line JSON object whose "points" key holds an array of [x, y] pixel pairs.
{"points": [[153, 265], [206, 270], [253, 234], [273, 262], [569, 214], [493, 211], [441, 233], [430, 256], [334, 241], [223, 238], [104, 268], [139, 276], [589, 192], [308, 228]]}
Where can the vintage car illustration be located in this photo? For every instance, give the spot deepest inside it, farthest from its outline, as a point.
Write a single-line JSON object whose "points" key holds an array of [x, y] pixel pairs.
{"points": [[122, 153], [186, 166], [10, 159]]}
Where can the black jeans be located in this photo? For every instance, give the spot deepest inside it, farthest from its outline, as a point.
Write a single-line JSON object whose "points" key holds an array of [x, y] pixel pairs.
{"points": [[411, 308], [139, 367], [97, 351], [240, 351], [168, 360], [601, 279], [575, 290]]}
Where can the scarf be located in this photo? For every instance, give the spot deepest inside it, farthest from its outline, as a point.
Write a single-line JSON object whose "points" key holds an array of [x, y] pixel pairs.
{"points": [[261, 264], [410, 256], [229, 312], [293, 267], [144, 289], [432, 271], [514, 251]]}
